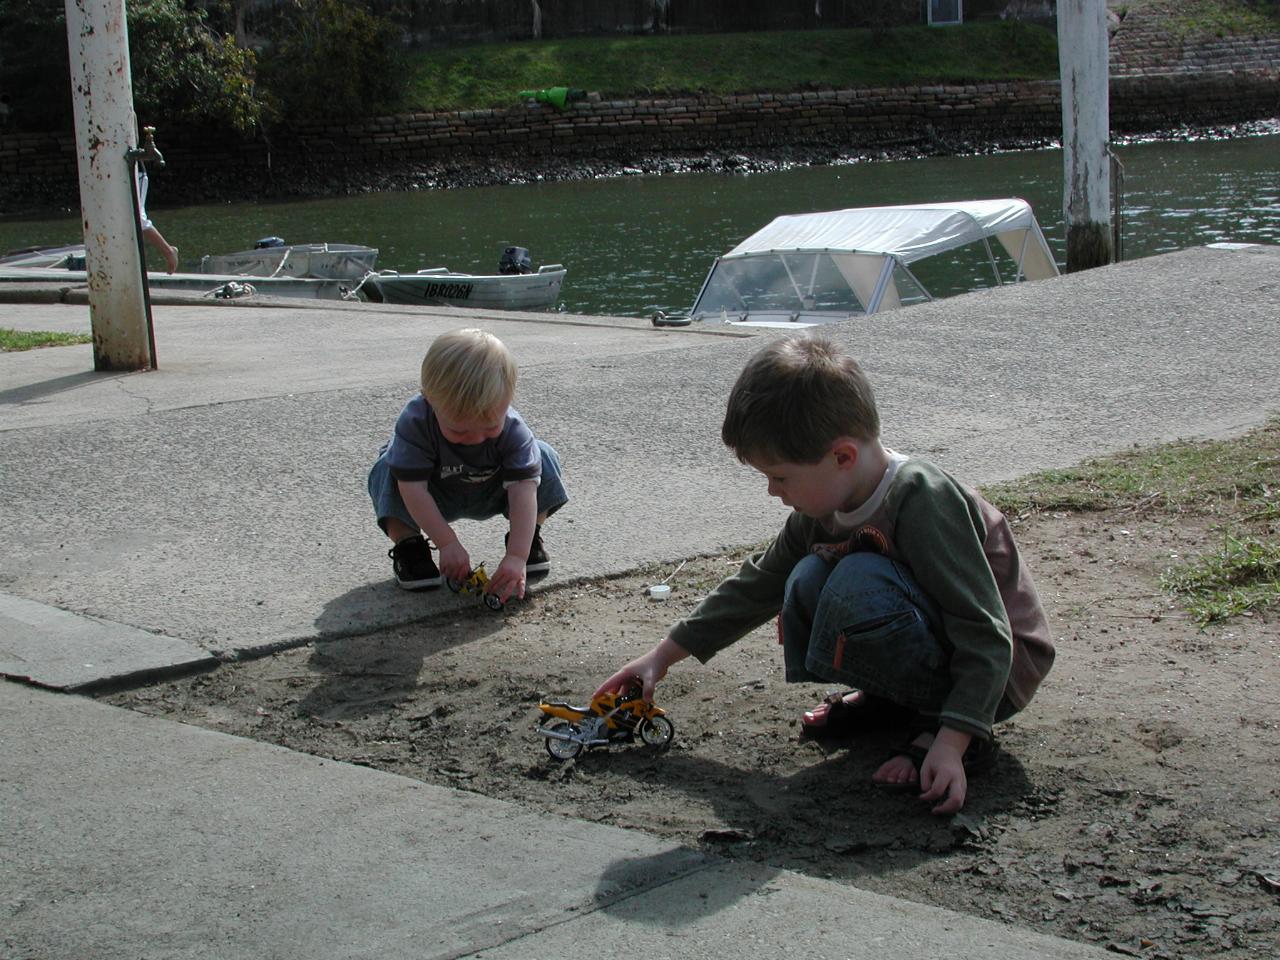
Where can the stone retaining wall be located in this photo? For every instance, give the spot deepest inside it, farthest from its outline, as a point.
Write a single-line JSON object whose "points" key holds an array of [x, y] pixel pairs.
{"points": [[939, 118], [1143, 44]]}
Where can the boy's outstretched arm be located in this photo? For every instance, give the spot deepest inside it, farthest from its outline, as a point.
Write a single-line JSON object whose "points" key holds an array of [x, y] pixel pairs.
{"points": [[647, 669], [455, 563], [522, 507]]}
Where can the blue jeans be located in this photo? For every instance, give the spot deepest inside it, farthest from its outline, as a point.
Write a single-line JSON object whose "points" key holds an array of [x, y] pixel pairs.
{"points": [[478, 503], [863, 622]]}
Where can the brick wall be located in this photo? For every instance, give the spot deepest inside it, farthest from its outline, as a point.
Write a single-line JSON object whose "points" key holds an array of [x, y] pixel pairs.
{"points": [[1145, 40]]}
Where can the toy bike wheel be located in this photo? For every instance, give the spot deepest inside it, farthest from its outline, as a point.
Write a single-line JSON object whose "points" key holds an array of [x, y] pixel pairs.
{"points": [[657, 732], [454, 585], [562, 749], [493, 602]]}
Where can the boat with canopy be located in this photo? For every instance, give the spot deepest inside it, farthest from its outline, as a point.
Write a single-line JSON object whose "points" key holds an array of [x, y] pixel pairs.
{"points": [[812, 268]]}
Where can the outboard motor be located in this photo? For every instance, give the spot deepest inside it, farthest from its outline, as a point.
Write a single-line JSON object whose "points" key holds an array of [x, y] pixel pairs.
{"points": [[515, 260], [266, 242]]}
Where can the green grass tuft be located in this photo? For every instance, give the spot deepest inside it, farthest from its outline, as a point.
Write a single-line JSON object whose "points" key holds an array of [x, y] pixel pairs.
{"points": [[1235, 482], [1202, 476], [12, 341], [1242, 575]]}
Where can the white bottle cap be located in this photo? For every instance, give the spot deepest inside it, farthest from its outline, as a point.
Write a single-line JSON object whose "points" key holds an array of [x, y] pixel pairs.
{"points": [[659, 591]]}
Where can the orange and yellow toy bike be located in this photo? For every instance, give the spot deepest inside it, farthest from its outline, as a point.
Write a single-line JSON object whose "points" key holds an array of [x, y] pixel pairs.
{"points": [[609, 718], [478, 582]]}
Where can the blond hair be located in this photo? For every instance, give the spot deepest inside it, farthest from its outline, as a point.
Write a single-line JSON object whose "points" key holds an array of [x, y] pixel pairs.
{"points": [[468, 373], [794, 399]]}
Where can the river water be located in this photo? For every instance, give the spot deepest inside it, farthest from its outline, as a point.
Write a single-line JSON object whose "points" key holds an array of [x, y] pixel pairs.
{"points": [[635, 244]]}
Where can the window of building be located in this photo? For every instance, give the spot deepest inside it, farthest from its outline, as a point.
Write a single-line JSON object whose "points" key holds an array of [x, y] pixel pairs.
{"points": [[943, 12]]}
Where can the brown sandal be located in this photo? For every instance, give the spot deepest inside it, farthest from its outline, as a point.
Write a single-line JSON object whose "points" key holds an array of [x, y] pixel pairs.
{"points": [[837, 717]]}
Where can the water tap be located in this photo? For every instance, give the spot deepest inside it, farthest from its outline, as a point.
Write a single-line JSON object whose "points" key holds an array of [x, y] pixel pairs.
{"points": [[148, 152]]}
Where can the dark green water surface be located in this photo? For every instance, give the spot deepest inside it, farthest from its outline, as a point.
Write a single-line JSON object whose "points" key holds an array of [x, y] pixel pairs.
{"points": [[639, 243]]}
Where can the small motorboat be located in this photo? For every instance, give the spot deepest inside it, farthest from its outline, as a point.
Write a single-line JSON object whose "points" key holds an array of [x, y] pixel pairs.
{"points": [[41, 258], [516, 285], [272, 257], [323, 271], [813, 268]]}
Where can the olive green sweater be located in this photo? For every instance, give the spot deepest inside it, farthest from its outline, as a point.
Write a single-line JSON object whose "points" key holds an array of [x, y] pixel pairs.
{"points": [[960, 550]]}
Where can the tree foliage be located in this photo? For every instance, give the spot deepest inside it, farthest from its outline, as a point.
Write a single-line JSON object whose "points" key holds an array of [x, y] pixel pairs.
{"points": [[331, 60], [183, 71], [34, 71]]}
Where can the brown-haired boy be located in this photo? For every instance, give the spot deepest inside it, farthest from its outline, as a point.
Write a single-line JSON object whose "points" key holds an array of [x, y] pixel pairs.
{"points": [[890, 577]]}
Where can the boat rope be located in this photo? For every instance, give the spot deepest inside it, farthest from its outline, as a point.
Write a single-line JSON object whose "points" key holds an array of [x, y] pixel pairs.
{"points": [[232, 289], [283, 261]]}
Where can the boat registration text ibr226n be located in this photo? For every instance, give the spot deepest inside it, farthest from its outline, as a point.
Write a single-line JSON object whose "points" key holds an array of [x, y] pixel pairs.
{"points": [[447, 291]]}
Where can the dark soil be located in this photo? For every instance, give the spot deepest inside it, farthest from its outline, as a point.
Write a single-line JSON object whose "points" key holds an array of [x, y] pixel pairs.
{"points": [[1135, 804]]}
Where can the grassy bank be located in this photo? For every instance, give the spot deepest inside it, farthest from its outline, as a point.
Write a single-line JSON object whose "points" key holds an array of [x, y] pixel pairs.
{"points": [[491, 75], [1221, 18], [1232, 484]]}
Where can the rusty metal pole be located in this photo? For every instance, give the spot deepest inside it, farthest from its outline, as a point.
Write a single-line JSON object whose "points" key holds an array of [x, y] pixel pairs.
{"points": [[1086, 132], [102, 95]]}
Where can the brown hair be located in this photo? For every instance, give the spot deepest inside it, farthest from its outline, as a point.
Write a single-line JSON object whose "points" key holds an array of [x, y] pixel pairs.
{"points": [[794, 398], [468, 373]]}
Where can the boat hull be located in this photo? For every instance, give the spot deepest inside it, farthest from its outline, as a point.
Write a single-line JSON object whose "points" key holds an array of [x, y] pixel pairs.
{"points": [[323, 271], [200, 284], [39, 258], [517, 291]]}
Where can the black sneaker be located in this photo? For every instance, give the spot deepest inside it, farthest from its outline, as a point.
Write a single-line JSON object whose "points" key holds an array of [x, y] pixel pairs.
{"points": [[538, 561], [411, 559]]}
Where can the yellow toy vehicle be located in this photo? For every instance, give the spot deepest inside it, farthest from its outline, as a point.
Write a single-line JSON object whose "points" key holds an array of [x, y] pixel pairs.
{"points": [[476, 583], [609, 718]]}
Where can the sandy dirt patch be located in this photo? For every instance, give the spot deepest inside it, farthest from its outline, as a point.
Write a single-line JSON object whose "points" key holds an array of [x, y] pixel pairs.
{"points": [[1134, 805]]}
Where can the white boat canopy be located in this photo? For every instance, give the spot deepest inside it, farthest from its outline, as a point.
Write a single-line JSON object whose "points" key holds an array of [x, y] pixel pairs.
{"points": [[864, 245], [911, 232]]}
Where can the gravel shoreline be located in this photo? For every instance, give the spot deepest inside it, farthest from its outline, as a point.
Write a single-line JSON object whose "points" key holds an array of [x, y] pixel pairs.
{"points": [[448, 175], [319, 181]]}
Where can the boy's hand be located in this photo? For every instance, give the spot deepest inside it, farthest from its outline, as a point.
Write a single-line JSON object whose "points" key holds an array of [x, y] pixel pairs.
{"points": [[508, 579], [455, 563], [942, 775], [646, 670]]}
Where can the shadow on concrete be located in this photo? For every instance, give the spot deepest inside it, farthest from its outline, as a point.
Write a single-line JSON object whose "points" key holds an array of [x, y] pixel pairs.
{"points": [[831, 806], [622, 878], [370, 673], [379, 605], [47, 388]]}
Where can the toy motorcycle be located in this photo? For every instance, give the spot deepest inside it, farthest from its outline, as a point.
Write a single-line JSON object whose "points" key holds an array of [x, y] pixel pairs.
{"points": [[609, 718], [476, 583]]}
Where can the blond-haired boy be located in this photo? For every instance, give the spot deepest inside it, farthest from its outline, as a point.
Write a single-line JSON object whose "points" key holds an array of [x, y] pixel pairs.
{"points": [[459, 449], [889, 577]]}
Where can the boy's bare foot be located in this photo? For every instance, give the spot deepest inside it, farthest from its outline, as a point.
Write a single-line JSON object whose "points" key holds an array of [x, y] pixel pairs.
{"points": [[903, 769]]}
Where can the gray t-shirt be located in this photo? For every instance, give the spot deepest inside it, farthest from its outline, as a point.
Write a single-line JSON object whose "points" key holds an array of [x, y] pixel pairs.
{"points": [[419, 451]]}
